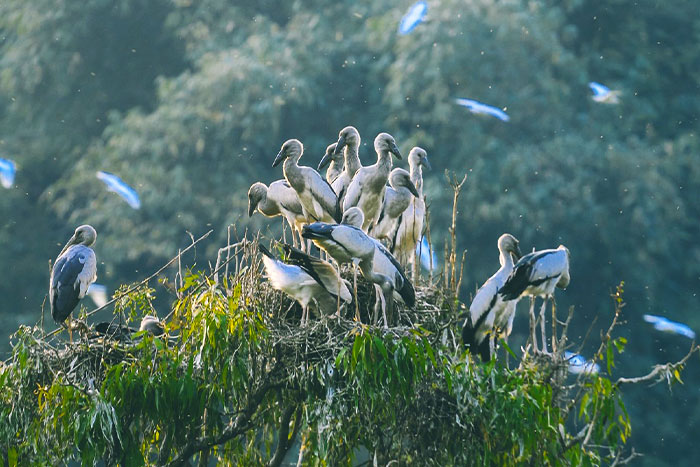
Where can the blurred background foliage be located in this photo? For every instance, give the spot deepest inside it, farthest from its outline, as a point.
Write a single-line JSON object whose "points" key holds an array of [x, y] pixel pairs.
{"points": [[189, 102]]}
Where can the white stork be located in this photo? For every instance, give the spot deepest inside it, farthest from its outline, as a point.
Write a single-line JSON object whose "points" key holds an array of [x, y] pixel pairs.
{"points": [[488, 312], [410, 227], [317, 197], [72, 273], [366, 190], [279, 199], [305, 278], [537, 274]]}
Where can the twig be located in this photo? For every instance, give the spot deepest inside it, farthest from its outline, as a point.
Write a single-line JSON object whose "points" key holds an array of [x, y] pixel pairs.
{"points": [[658, 369]]}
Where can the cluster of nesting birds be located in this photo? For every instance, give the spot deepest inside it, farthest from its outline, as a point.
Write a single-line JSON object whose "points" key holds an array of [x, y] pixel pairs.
{"points": [[347, 214]]}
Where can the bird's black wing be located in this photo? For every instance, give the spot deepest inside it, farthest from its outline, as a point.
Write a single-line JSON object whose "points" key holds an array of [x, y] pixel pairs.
{"points": [[521, 277], [65, 296], [317, 230], [408, 294]]}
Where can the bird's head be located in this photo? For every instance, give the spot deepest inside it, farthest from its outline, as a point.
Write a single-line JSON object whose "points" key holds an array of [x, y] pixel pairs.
{"points": [[401, 178], [348, 136], [152, 324], [510, 244], [331, 155], [291, 148], [354, 217], [418, 157], [83, 235], [256, 193], [562, 247], [384, 142]]}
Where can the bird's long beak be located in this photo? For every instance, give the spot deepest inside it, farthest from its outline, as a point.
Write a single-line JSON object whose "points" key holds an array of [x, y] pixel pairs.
{"points": [[279, 158], [70, 243], [412, 188], [339, 145], [395, 151], [425, 163], [251, 207], [325, 160], [517, 252]]}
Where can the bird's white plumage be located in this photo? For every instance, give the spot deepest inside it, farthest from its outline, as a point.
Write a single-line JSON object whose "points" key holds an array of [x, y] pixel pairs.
{"points": [[98, 294], [117, 185], [666, 325], [603, 94], [413, 17], [397, 197], [578, 364], [477, 107], [8, 169]]}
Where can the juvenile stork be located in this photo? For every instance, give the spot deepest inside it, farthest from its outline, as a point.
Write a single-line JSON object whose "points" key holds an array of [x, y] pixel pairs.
{"points": [[366, 190], [279, 199], [72, 273], [396, 199], [537, 274], [337, 164], [348, 145], [489, 312], [410, 227], [318, 199], [305, 278]]}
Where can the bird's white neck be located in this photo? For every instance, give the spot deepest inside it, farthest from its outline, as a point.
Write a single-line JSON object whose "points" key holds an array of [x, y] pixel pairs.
{"points": [[417, 177], [352, 158]]}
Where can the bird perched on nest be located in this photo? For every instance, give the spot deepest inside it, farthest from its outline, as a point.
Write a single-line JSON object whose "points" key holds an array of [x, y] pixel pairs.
{"points": [[72, 273], [410, 227], [396, 199], [537, 274], [489, 312], [279, 199], [317, 197], [366, 190], [348, 145], [305, 278], [337, 164], [122, 332]]}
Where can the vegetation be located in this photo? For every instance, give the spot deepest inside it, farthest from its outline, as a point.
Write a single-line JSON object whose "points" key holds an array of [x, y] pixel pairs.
{"points": [[238, 381], [189, 101]]}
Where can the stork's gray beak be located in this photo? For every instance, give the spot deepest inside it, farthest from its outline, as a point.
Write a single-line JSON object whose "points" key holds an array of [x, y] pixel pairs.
{"points": [[517, 252], [395, 150], [339, 145], [412, 188], [425, 163], [280, 157], [70, 243], [325, 160], [251, 207]]}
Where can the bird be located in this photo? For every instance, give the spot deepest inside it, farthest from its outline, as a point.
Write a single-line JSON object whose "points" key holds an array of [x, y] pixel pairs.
{"points": [[72, 273], [489, 311], [397, 197], [153, 325], [305, 278], [413, 17], [117, 185], [337, 163], [366, 189], [347, 243], [348, 144], [537, 274], [480, 108], [8, 169], [603, 94], [279, 199], [410, 227], [317, 197], [666, 325], [98, 294], [578, 364]]}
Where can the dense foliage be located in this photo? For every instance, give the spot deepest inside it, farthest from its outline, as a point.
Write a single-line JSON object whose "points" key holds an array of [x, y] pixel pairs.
{"points": [[189, 102], [238, 381]]}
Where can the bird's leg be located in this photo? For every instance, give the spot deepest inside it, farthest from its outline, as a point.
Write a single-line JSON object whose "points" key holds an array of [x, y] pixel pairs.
{"points": [[492, 343], [543, 329], [378, 302], [533, 321], [554, 324], [388, 302], [354, 286]]}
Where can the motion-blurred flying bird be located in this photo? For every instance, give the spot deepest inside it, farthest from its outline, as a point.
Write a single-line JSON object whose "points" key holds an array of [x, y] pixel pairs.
{"points": [[366, 189], [72, 273], [489, 313], [317, 197], [117, 185], [578, 364], [397, 197], [98, 294], [666, 325], [8, 169], [305, 278], [603, 94], [279, 199], [413, 17], [477, 107]]}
